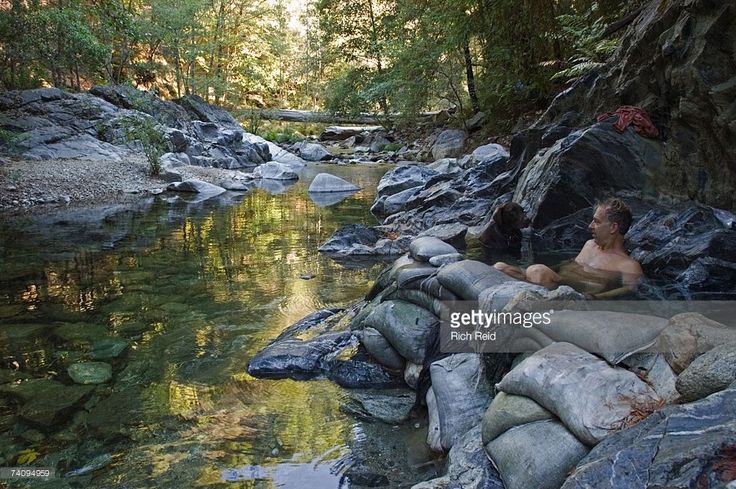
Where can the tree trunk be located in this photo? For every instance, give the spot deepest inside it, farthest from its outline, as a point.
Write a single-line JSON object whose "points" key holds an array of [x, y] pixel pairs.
{"points": [[471, 78]]}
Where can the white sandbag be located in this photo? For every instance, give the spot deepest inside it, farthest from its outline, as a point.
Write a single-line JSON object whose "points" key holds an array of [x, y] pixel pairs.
{"points": [[426, 247], [537, 455], [468, 278], [380, 349], [405, 326], [507, 411], [434, 438], [411, 374], [463, 394], [591, 398]]}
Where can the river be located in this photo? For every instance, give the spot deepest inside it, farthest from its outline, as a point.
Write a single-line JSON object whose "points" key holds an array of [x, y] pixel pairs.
{"points": [[176, 297]]}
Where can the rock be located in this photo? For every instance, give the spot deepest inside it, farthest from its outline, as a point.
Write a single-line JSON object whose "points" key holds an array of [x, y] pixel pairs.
{"points": [[82, 147], [90, 372], [654, 369], [174, 160], [350, 239], [394, 203], [108, 348], [196, 186], [490, 153], [324, 182], [275, 171], [403, 177], [467, 467], [314, 152], [688, 335], [670, 41], [446, 166], [177, 140], [326, 199], [200, 110], [711, 372], [48, 401], [476, 122], [359, 372], [129, 97], [411, 374], [449, 144], [582, 167], [677, 447], [453, 234], [391, 407], [296, 359]]}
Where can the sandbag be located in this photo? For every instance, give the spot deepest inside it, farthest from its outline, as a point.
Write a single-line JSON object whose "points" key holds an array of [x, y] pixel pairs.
{"points": [[411, 374], [612, 335], [537, 455], [432, 286], [424, 248], [405, 326], [434, 438], [463, 394], [468, 278], [380, 349], [421, 299], [398, 264], [414, 273], [591, 398], [507, 411]]}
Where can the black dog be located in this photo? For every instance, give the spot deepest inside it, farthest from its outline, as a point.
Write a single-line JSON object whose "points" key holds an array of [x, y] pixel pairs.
{"points": [[503, 233]]}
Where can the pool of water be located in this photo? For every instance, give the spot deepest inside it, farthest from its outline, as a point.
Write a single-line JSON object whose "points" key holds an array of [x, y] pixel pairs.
{"points": [[189, 291]]}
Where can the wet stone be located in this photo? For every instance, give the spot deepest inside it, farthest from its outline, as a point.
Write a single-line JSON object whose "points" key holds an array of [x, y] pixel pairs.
{"points": [[75, 332], [50, 405], [391, 407], [108, 348], [90, 372]]}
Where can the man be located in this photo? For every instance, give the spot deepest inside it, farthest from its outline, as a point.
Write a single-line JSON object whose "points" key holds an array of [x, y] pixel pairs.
{"points": [[602, 269]]}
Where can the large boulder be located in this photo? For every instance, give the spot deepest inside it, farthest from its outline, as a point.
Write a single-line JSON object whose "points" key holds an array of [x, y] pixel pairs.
{"points": [[199, 110], [677, 447], [449, 144], [314, 152], [711, 372], [324, 182], [275, 171], [128, 97], [660, 66], [575, 172]]}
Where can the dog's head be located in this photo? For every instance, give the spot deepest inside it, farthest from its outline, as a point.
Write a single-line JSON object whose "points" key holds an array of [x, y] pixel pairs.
{"points": [[510, 217]]}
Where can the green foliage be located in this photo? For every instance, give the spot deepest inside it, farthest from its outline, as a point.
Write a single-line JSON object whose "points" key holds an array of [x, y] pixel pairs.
{"points": [[145, 130], [590, 50]]}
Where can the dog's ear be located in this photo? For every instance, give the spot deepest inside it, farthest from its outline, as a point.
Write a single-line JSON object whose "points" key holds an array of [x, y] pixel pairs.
{"points": [[498, 215]]}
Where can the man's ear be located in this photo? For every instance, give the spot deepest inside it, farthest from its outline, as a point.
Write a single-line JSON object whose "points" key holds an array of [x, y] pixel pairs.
{"points": [[615, 228]]}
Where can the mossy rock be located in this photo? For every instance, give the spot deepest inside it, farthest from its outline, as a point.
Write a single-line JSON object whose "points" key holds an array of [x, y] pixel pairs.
{"points": [[90, 372]]}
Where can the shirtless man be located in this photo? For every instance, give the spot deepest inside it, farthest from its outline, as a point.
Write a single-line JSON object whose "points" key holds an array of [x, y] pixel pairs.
{"points": [[602, 269]]}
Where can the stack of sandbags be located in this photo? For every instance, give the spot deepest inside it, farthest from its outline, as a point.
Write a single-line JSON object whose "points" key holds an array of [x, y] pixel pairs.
{"points": [[557, 403]]}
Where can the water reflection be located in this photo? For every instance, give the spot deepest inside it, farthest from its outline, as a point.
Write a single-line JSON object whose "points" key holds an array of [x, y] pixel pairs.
{"points": [[189, 292]]}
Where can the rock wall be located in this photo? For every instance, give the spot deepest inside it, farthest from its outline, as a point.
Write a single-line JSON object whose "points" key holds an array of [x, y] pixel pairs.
{"points": [[677, 60]]}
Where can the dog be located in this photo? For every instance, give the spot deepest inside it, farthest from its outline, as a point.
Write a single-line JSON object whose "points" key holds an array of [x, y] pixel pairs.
{"points": [[503, 233]]}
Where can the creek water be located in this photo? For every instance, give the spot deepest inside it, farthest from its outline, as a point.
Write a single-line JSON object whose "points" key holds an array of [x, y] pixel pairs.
{"points": [[176, 297]]}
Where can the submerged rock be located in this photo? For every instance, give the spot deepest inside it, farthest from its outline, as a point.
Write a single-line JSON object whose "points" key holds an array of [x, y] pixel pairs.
{"points": [[391, 407], [196, 186], [90, 372]]}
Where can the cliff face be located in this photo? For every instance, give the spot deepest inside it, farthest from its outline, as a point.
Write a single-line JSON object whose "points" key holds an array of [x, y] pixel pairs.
{"points": [[677, 60]]}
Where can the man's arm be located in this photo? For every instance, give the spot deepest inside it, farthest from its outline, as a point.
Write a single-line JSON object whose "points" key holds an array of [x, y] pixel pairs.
{"points": [[631, 273]]}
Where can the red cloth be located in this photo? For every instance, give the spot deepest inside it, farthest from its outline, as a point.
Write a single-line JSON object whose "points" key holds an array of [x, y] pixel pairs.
{"points": [[628, 114]]}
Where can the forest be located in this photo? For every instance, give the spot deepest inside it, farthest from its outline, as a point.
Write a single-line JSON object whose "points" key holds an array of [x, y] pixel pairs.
{"points": [[503, 57]]}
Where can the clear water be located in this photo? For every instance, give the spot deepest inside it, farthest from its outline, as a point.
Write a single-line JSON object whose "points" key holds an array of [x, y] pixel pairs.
{"points": [[196, 289]]}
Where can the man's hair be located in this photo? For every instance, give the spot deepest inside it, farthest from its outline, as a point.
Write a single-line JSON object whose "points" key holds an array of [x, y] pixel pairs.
{"points": [[617, 211]]}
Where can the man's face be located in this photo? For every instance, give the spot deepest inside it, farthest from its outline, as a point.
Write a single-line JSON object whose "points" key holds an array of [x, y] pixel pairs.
{"points": [[601, 228]]}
